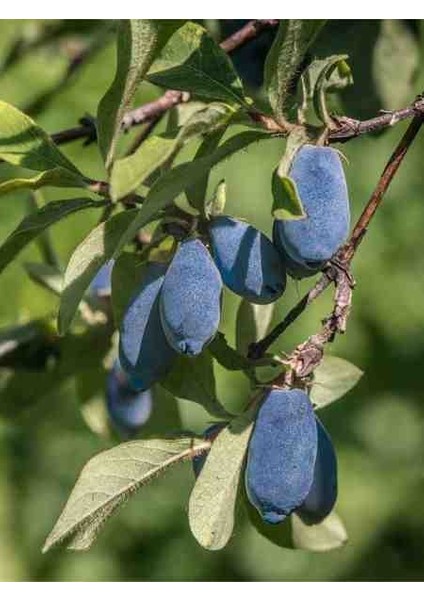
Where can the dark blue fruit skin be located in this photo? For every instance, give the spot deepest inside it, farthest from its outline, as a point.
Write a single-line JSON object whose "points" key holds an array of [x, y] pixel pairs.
{"points": [[323, 494], [247, 260], [128, 409], [101, 284], [281, 454], [294, 269], [320, 180], [190, 300], [144, 352], [209, 434]]}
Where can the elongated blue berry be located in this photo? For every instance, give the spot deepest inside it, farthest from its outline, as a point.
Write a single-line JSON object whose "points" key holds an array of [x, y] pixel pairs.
{"points": [[321, 184], [144, 352], [190, 300], [128, 409], [323, 493], [281, 454], [101, 284], [248, 262]]}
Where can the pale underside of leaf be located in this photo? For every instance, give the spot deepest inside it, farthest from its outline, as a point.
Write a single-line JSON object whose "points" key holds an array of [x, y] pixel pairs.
{"points": [[330, 534], [109, 479], [212, 501], [333, 378]]}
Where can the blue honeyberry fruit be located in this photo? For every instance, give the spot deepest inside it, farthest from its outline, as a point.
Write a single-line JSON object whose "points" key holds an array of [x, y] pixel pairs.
{"points": [[144, 352], [247, 260], [101, 284], [321, 184], [209, 434], [294, 269], [323, 493], [190, 300], [128, 409], [281, 454]]}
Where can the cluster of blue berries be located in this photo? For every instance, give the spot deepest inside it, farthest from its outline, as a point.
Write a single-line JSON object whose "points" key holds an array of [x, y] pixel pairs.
{"points": [[176, 310], [291, 465]]}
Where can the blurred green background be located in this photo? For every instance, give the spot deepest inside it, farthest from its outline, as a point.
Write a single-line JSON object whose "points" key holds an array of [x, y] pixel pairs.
{"points": [[378, 428]]}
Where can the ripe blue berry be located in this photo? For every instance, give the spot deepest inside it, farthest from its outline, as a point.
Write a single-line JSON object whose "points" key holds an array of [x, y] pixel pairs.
{"points": [[247, 260], [144, 352], [127, 408], [101, 284], [312, 241], [190, 301], [322, 496], [281, 454]]}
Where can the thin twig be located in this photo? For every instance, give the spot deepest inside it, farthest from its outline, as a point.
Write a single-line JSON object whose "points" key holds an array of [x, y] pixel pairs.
{"points": [[310, 352], [374, 202], [258, 349], [348, 128]]}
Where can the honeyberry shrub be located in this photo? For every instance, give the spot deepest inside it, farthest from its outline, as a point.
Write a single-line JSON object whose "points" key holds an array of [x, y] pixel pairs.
{"points": [[176, 247]]}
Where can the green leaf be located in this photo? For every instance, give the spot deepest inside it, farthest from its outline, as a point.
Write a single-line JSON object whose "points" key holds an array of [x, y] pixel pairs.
{"points": [[181, 113], [252, 323], [36, 222], [48, 276], [108, 479], [175, 181], [286, 204], [88, 258], [215, 206], [286, 201], [57, 177], [333, 378], [129, 172], [25, 144], [323, 75], [193, 62], [139, 41], [194, 379], [229, 358], [212, 501], [127, 274], [196, 193], [332, 73], [395, 63], [327, 535], [293, 40]]}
